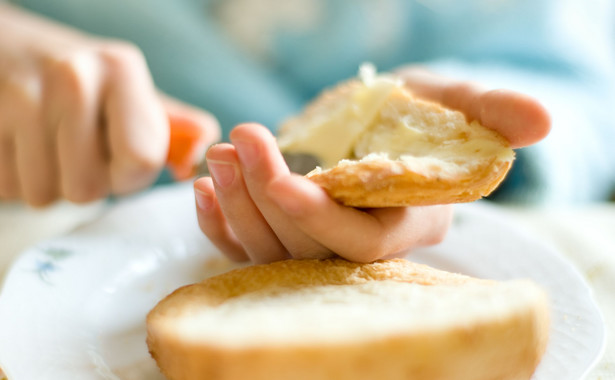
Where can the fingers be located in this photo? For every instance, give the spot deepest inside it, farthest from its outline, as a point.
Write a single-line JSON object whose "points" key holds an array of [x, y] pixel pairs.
{"points": [[261, 210], [241, 173], [35, 171], [261, 163], [138, 129], [28, 153], [9, 178], [213, 222], [519, 118], [72, 99], [242, 215], [356, 235], [9, 181]]}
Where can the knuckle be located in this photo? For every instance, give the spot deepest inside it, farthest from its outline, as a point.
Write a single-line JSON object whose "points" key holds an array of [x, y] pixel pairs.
{"points": [[120, 54], [463, 86], [72, 76], [68, 71], [19, 95], [459, 93]]}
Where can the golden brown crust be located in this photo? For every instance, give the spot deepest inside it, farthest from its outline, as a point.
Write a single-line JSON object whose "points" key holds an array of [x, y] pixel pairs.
{"points": [[388, 183], [509, 348]]}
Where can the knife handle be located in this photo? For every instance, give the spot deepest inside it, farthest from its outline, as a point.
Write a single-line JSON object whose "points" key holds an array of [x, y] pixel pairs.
{"points": [[185, 139]]}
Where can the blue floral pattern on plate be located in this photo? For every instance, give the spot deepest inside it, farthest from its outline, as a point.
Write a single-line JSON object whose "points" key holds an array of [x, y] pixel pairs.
{"points": [[51, 256]]}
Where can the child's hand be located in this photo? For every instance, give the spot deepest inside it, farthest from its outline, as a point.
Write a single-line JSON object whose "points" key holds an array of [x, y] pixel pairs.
{"points": [[254, 208], [79, 117]]}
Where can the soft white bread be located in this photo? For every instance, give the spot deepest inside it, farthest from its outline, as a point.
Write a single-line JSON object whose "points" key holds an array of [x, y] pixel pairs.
{"points": [[382, 147], [336, 320]]}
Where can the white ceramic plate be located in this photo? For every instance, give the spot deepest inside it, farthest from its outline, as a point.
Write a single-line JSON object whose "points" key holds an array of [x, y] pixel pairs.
{"points": [[74, 307]]}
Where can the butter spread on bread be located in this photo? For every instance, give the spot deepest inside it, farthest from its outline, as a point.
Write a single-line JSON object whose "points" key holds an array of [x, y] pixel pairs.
{"points": [[382, 147], [336, 320]]}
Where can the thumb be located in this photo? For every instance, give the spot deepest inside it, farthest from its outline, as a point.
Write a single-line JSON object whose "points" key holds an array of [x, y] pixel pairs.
{"points": [[192, 130]]}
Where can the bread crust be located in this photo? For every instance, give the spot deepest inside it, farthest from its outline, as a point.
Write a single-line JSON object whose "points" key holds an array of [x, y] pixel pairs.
{"points": [[388, 183], [508, 348]]}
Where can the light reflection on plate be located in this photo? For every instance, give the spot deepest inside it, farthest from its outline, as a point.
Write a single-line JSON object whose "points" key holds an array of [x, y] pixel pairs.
{"points": [[78, 303]]}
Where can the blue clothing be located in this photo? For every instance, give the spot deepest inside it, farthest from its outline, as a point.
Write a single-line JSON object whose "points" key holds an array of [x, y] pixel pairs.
{"points": [[217, 55]]}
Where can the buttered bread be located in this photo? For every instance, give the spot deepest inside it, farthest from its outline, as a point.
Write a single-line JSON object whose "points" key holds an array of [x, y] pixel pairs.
{"points": [[382, 147]]}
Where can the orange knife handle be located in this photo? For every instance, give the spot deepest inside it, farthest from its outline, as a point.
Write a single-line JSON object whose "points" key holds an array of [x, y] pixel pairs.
{"points": [[185, 138]]}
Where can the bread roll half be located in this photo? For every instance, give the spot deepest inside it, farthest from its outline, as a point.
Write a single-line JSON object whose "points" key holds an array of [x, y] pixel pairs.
{"points": [[382, 147], [336, 320]]}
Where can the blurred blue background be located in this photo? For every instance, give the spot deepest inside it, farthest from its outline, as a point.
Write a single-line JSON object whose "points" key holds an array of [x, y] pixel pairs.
{"points": [[262, 60]]}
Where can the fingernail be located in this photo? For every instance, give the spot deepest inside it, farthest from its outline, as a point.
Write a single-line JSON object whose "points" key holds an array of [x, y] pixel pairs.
{"points": [[247, 151], [203, 200], [222, 172]]}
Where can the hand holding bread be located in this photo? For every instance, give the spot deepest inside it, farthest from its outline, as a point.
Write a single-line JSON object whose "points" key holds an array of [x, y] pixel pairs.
{"points": [[383, 147], [253, 208]]}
